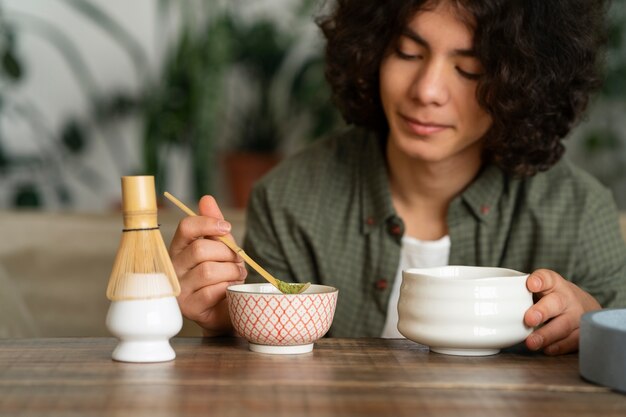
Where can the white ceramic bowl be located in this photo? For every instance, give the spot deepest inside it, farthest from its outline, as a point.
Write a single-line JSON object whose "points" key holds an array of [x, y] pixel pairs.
{"points": [[278, 323], [464, 310]]}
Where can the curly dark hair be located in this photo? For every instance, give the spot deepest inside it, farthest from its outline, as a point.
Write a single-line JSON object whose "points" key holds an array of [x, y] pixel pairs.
{"points": [[541, 59]]}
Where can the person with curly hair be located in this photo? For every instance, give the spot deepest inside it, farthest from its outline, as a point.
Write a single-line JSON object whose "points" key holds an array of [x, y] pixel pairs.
{"points": [[458, 110]]}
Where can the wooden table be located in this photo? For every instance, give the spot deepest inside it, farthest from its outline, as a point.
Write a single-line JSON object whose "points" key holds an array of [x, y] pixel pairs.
{"points": [[342, 377]]}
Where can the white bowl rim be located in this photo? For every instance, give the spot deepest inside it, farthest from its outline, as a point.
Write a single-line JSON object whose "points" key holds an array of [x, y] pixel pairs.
{"points": [[269, 289], [455, 273]]}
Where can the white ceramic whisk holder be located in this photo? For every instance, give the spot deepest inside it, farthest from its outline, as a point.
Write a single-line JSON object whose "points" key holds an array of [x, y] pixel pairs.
{"points": [[144, 328]]}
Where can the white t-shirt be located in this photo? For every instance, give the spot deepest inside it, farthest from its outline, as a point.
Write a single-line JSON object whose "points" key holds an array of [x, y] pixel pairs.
{"points": [[414, 254]]}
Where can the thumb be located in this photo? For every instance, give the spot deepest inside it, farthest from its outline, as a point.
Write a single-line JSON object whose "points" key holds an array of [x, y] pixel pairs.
{"points": [[208, 207]]}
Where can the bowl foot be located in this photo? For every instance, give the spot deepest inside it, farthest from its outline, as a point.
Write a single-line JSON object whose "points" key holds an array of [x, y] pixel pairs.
{"points": [[465, 352], [144, 351], [281, 350]]}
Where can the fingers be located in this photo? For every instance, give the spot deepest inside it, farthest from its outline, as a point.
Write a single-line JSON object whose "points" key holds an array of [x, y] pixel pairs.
{"points": [[199, 251], [207, 306], [555, 298], [208, 207], [208, 274], [548, 285], [548, 307], [192, 228], [567, 345], [204, 287], [544, 281], [559, 308], [557, 332], [199, 305], [205, 266]]}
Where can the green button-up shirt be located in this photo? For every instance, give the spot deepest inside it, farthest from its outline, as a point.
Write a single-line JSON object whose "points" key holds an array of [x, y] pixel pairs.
{"points": [[326, 216]]}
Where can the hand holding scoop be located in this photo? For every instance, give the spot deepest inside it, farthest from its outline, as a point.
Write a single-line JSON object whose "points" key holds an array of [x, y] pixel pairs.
{"points": [[283, 287]]}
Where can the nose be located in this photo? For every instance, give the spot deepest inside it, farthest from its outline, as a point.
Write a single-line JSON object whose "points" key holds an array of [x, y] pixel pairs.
{"points": [[429, 85]]}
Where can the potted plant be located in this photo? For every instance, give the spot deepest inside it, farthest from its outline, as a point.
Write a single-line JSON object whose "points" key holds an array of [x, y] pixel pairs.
{"points": [[183, 108], [599, 145], [277, 98]]}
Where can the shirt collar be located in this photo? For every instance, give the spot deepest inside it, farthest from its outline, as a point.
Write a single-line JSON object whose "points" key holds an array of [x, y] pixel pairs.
{"points": [[376, 205], [483, 194]]}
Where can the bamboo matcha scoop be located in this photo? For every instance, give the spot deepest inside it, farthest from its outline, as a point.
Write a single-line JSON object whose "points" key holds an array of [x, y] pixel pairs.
{"points": [[284, 287]]}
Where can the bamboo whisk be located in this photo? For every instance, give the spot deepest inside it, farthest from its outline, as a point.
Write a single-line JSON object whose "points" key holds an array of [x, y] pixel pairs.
{"points": [[142, 268]]}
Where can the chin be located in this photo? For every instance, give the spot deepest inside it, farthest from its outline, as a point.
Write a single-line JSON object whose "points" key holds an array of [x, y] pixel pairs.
{"points": [[423, 149]]}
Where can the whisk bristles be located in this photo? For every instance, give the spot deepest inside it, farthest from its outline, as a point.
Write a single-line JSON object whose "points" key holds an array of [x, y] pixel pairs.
{"points": [[142, 268]]}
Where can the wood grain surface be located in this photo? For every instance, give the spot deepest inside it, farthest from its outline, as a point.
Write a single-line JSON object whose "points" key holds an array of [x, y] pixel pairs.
{"points": [[342, 377]]}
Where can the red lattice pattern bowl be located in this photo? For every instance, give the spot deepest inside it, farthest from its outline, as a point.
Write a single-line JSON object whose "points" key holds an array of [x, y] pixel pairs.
{"points": [[281, 323]]}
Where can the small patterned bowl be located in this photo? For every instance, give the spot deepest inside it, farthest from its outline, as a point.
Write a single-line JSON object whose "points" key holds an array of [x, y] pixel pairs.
{"points": [[278, 323]]}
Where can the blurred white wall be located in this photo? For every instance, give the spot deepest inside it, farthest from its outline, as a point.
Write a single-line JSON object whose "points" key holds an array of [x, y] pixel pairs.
{"points": [[50, 93], [50, 89]]}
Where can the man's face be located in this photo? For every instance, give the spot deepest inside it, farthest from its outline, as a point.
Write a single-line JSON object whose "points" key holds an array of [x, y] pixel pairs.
{"points": [[428, 86]]}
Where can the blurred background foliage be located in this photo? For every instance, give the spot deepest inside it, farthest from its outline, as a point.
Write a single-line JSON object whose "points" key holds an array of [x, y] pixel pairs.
{"points": [[37, 177], [238, 85], [227, 80], [599, 144]]}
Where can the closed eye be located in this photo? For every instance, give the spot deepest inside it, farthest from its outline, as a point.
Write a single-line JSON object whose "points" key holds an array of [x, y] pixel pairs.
{"points": [[407, 56], [469, 75], [408, 48]]}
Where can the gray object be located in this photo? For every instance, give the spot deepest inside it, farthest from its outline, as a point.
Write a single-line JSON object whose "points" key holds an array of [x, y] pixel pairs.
{"points": [[602, 356]]}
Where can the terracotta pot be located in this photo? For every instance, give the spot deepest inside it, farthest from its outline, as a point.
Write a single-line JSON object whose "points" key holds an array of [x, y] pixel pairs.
{"points": [[242, 170]]}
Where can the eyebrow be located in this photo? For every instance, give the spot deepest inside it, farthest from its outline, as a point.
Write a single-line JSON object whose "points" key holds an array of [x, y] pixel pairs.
{"points": [[418, 39]]}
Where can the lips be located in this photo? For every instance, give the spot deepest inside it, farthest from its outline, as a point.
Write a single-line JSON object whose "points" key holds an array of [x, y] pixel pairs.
{"points": [[423, 128]]}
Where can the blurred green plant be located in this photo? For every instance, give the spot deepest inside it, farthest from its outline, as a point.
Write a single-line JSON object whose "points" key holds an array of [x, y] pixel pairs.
{"points": [[58, 151], [262, 52], [189, 105], [601, 146], [184, 107]]}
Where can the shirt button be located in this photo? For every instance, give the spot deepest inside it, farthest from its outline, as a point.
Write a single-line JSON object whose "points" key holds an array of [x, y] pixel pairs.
{"points": [[369, 221], [485, 209], [381, 284], [395, 230]]}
